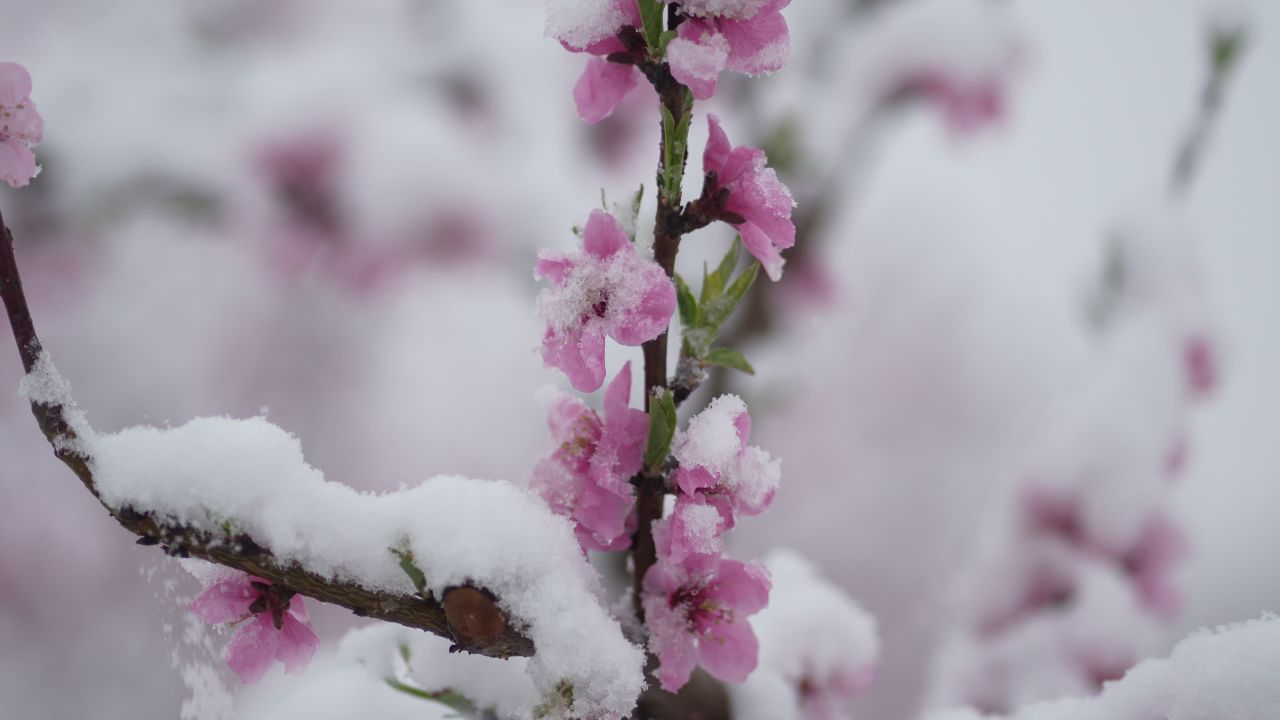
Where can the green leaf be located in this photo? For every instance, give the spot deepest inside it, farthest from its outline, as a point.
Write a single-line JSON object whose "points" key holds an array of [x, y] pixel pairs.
{"points": [[651, 22], [555, 703], [450, 698], [664, 40], [732, 297], [730, 358], [1226, 44], [416, 576], [713, 283], [636, 201], [687, 303], [675, 141], [662, 429]]}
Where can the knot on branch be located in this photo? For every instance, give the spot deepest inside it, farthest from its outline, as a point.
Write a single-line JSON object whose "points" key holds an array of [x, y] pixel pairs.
{"points": [[477, 624]]}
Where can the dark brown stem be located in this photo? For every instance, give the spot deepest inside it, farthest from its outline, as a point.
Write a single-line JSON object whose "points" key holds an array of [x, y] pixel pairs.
{"points": [[15, 302], [469, 617], [666, 244]]}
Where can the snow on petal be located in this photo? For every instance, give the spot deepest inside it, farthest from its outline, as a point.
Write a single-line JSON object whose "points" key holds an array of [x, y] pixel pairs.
{"points": [[737, 9], [756, 196], [606, 289], [697, 64], [711, 439], [579, 23], [706, 607], [716, 462], [691, 535], [759, 44]]}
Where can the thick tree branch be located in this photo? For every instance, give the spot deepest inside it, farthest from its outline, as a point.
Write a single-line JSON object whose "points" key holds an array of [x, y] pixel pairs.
{"points": [[469, 617]]}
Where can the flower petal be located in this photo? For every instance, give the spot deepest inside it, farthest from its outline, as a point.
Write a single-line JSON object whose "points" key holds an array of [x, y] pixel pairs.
{"points": [[761, 247], [729, 650], [601, 87], [225, 601], [253, 648], [297, 642], [759, 44], [553, 266], [617, 397], [718, 148], [744, 587], [603, 235], [579, 353], [697, 64], [17, 163], [651, 316], [15, 83]]}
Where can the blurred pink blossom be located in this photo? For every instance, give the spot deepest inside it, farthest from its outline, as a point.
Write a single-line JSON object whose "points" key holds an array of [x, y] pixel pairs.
{"points": [[20, 126]]}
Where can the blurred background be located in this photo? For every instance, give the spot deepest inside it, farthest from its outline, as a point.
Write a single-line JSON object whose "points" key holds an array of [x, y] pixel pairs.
{"points": [[1021, 368]]}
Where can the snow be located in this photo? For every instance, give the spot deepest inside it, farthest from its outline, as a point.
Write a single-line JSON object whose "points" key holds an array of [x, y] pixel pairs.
{"points": [[757, 478], [703, 526], [579, 23], [336, 689], [250, 475], [970, 40], [1225, 673], [502, 686], [812, 634], [711, 440], [46, 386], [732, 9]]}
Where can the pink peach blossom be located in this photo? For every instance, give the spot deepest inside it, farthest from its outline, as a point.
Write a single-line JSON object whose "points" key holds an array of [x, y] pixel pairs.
{"points": [[20, 126], [748, 37], [692, 536], [586, 476], [606, 289], [273, 625], [699, 618], [603, 84], [717, 464], [756, 197]]}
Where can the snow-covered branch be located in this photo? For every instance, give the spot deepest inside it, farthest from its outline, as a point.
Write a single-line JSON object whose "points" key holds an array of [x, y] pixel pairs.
{"points": [[483, 563]]}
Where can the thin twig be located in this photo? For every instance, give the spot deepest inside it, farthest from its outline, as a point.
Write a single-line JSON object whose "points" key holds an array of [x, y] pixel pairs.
{"points": [[1225, 45]]}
